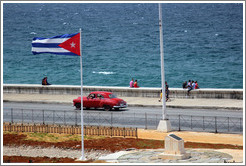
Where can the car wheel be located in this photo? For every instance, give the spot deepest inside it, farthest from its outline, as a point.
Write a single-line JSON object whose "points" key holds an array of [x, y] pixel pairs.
{"points": [[78, 105], [107, 108]]}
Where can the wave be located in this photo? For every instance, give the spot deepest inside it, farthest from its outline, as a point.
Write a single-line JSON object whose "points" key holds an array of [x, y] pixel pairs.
{"points": [[103, 72]]}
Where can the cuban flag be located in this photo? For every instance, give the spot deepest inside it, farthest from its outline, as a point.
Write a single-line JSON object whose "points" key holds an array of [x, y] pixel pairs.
{"points": [[68, 44]]}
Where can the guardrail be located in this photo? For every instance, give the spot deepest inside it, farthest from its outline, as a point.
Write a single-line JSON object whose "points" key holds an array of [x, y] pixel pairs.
{"points": [[68, 129], [216, 124], [122, 91]]}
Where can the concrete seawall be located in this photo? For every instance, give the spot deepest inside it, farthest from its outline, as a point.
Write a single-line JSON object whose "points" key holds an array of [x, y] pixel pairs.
{"points": [[122, 91]]}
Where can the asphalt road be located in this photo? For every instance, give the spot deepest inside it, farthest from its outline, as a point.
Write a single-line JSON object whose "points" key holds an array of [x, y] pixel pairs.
{"points": [[141, 117], [153, 110]]}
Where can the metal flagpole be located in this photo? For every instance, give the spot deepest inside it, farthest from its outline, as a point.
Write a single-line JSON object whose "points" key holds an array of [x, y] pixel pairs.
{"points": [[82, 116], [164, 116]]}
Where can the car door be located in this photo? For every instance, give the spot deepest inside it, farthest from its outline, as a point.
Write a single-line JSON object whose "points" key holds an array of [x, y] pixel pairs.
{"points": [[99, 100], [90, 100], [95, 102]]}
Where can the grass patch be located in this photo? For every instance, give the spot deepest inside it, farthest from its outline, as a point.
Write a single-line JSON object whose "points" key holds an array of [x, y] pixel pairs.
{"points": [[43, 137], [142, 144], [54, 137], [149, 144]]}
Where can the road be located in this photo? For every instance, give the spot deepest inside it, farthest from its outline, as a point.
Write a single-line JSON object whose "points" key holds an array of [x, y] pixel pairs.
{"points": [[154, 110], [141, 117]]}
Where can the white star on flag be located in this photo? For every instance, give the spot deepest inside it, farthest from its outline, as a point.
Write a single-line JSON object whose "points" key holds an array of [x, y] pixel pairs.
{"points": [[72, 44]]}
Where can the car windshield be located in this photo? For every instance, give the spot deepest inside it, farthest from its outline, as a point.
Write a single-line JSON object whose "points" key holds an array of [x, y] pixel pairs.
{"points": [[112, 96]]}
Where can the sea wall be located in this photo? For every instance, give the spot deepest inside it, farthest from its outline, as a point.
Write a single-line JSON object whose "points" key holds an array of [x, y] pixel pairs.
{"points": [[122, 91]]}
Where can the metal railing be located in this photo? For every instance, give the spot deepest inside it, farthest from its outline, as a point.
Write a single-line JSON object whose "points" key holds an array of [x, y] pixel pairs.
{"points": [[125, 119]]}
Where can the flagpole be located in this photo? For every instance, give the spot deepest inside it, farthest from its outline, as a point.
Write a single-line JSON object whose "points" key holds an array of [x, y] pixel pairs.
{"points": [[82, 116], [164, 124], [162, 66]]}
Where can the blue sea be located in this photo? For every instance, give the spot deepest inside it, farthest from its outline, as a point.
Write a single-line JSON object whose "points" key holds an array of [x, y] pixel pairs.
{"points": [[120, 41]]}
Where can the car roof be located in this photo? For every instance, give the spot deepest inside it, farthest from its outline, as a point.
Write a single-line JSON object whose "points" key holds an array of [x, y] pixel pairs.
{"points": [[97, 92]]}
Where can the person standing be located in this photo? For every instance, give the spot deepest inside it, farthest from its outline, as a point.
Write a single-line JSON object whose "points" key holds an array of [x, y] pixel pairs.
{"points": [[131, 83], [160, 96], [167, 91]]}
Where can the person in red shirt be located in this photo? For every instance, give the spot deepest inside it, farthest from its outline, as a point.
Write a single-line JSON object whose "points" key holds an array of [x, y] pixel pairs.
{"points": [[196, 85], [136, 84], [44, 81]]}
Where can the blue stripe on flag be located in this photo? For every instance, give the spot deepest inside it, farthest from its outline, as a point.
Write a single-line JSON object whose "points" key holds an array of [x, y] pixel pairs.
{"points": [[57, 53], [48, 45]]}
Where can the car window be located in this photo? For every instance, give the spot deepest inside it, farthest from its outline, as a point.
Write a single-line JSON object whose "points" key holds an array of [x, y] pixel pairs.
{"points": [[112, 96], [91, 96], [100, 96]]}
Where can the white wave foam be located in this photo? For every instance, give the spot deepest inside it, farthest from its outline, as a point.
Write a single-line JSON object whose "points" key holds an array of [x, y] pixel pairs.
{"points": [[103, 72]]}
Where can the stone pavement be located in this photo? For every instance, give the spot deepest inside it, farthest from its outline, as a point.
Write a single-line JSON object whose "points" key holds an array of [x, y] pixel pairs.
{"points": [[188, 136], [133, 101], [151, 156]]}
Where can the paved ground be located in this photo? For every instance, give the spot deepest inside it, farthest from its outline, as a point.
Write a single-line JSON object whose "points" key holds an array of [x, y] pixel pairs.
{"points": [[133, 101], [153, 156], [202, 137]]}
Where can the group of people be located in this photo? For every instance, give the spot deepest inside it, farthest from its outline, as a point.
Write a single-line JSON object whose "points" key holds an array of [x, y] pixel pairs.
{"points": [[191, 85], [134, 84]]}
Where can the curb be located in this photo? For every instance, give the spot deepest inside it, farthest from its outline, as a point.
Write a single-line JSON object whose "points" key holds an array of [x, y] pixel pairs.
{"points": [[134, 105]]}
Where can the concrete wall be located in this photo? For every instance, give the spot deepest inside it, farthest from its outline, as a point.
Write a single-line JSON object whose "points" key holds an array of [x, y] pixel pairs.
{"points": [[122, 91]]}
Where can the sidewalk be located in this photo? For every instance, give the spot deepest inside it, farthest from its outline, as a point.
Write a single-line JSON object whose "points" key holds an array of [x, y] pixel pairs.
{"points": [[132, 101]]}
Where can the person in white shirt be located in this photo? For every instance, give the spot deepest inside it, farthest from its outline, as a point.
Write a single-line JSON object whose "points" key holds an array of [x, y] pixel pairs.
{"points": [[193, 85]]}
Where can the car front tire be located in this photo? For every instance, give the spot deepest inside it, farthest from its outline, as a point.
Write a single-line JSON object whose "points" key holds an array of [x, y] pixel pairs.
{"points": [[78, 106]]}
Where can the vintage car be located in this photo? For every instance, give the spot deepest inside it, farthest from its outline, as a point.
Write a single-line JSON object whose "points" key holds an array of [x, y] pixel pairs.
{"points": [[100, 99]]}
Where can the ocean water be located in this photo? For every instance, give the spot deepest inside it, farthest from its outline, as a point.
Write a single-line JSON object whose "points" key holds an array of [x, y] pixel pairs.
{"points": [[120, 41]]}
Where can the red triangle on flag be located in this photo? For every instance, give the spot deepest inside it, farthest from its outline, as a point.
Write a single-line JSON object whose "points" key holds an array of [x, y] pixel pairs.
{"points": [[72, 44]]}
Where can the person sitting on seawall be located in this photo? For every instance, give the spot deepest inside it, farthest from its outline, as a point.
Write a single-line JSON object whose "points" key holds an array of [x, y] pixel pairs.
{"points": [[44, 81], [193, 85], [189, 87], [185, 85], [136, 84], [131, 83], [196, 85]]}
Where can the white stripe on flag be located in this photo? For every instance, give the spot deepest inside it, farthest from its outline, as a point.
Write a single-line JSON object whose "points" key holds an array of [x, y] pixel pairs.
{"points": [[45, 49], [57, 40]]}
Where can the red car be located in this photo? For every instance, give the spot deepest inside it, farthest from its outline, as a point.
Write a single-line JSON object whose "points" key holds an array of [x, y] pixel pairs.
{"points": [[99, 99]]}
